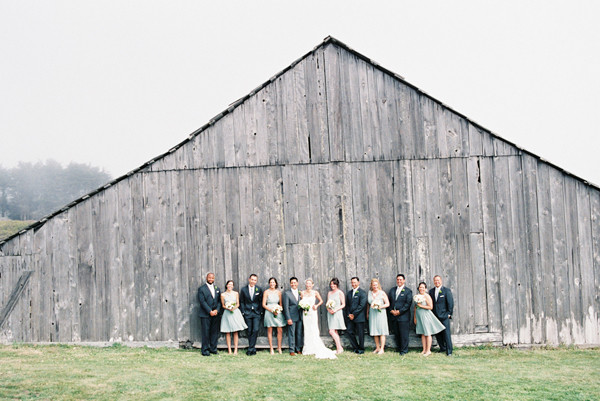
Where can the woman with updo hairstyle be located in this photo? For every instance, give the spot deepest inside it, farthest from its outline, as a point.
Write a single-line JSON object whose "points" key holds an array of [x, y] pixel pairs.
{"points": [[336, 302], [273, 313]]}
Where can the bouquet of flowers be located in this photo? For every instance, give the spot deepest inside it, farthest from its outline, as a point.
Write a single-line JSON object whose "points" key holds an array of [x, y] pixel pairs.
{"points": [[377, 304], [419, 298], [230, 305], [277, 310], [330, 304], [304, 305]]}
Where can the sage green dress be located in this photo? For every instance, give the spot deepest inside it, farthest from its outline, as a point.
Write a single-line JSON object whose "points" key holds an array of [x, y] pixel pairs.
{"points": [[336, 321], [270, 319], [427, 323], [378, 324], [232, 321]]}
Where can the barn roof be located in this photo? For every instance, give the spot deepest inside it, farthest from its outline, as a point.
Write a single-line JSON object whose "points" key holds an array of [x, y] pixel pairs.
{"points": [[327, 41]]}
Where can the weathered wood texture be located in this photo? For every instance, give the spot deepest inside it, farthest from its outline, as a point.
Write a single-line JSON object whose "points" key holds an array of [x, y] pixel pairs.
{"points": [[333, 168]]}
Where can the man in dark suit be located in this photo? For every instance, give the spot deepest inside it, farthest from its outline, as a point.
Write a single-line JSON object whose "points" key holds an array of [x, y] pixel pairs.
{"points": [[251, 307], [293, 316], [356, 302], [443, 306], [209, 298], [400, 301]]}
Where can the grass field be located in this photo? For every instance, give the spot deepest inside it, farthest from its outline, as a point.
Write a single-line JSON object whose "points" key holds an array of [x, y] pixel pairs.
{"points": [[9, 227], [75, 373]]}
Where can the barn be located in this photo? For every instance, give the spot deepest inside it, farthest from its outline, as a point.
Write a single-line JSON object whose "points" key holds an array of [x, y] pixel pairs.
{"points": [[334, 167]]}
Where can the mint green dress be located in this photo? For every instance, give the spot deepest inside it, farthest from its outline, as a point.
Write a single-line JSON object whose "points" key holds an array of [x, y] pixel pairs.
{"points": [[336, 321], [270, 319], [232, 321], [427, 323], [378, 324]]}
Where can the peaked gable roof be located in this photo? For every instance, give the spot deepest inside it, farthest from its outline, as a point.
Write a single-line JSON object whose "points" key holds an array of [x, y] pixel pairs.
{"points": [[233, 106]]}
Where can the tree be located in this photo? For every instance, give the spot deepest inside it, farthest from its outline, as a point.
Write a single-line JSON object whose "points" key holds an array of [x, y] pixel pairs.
{"points": [[31, 191]]}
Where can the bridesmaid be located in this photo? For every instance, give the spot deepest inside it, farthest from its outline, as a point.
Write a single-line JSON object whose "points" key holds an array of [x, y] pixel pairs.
{"points": [[232, 320], [378, 324], [336, 302], [426, 322], [273, 313]]}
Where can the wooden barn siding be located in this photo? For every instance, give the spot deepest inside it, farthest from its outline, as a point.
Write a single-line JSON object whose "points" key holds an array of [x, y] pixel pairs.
{"points": [[332, 169]]}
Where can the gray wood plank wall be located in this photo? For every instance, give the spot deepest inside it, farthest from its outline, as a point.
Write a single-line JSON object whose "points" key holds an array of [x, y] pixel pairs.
{"points": [[334, 168]]}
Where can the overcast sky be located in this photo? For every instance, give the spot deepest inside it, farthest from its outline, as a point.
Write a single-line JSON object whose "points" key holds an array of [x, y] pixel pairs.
{"points": [[116, 83]]}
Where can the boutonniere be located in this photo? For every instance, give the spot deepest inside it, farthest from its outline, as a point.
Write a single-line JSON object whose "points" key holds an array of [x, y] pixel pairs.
{"points": [[255, 290], [216, 288], [356, 293], [402, 290]]}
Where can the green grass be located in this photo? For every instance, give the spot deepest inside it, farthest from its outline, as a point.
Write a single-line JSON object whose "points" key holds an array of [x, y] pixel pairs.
{"points": [[73, 372], [10, 227]]}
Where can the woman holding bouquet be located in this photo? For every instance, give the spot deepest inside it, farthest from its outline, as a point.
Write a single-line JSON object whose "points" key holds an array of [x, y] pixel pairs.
{"points": [[426, 322], [273, 313], [336, 302], [313, 345], [378, 324], [232, 320]]}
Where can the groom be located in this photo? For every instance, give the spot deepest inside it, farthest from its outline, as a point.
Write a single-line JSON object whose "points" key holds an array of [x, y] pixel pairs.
{"points": [[293, 316], [356, 302], [443, 306], [251, 307]]}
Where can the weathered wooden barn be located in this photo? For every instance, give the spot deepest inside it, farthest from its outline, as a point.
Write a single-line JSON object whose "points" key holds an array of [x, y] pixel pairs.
{"points": [[333, 167]]}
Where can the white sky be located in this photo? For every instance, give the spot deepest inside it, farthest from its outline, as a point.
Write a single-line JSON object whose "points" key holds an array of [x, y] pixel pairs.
{"points": [[116, 83]]}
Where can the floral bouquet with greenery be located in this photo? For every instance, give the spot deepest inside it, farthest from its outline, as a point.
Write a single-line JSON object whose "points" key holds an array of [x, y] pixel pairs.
{"points": [[304, 305], [230, 306], [419, 299], [377, 304], [277, 310], [330, 304]]}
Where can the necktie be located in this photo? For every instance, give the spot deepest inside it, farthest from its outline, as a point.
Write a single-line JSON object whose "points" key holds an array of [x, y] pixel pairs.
{"points": [[398, 291], [251, 291], [437, 292]]}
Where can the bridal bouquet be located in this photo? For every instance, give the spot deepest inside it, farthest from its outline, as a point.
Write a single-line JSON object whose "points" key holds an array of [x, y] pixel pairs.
{"points": [[229, 305], [277, 310], [377, 304], [330, 304], [419, 298], [305, 306]]}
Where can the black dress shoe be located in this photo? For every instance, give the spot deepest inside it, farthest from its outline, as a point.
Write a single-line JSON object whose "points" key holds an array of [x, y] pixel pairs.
{"points": [[206, 354], [214, 352], [359, 352]]}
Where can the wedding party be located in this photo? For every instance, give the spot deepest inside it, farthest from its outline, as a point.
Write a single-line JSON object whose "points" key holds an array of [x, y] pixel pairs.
{"points": [[230, 312]]}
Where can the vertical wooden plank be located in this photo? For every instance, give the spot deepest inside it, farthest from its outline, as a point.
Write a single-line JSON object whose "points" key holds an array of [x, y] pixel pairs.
{"points": [[247, 264], [232, 190], [490, 245], [273, 123], [239, 132], [573, 260], [594, 308], [353, 107], [336, 185], [72, 277], [60, 282], [382, 146], [299, 107], [154, 233], [404, 217], [101, 238], [316, 107], [463, 268], [532, 225], [193, 237], [228, 140], [362, 227], [126, 255], [86, 293], [291, 206], [519, 235], [315, 222], [218, 149], [260, 219], [262, 135], [421, 219], [367, 106], [474, 193], [276, 231], [547, 254], [475, 140], [335, 114], [180, 263], [385, 192], [559, 231], [584, 226], [167, 278], [114, 264]]}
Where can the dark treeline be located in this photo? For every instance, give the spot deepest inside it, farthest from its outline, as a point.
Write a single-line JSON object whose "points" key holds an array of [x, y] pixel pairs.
{"points": [[31, 191]]}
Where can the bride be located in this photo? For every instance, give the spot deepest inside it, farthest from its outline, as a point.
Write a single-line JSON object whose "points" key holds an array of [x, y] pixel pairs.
{"points": [[313, 345]]}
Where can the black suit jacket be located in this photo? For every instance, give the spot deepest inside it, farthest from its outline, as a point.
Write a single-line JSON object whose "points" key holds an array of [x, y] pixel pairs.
{"points": [[402, 303], [356, 305], [444, 306], [252, 307], [207, 302]]}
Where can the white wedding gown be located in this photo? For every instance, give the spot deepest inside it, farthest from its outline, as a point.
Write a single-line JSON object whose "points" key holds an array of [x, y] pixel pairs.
{"points": [[313, 345]]}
